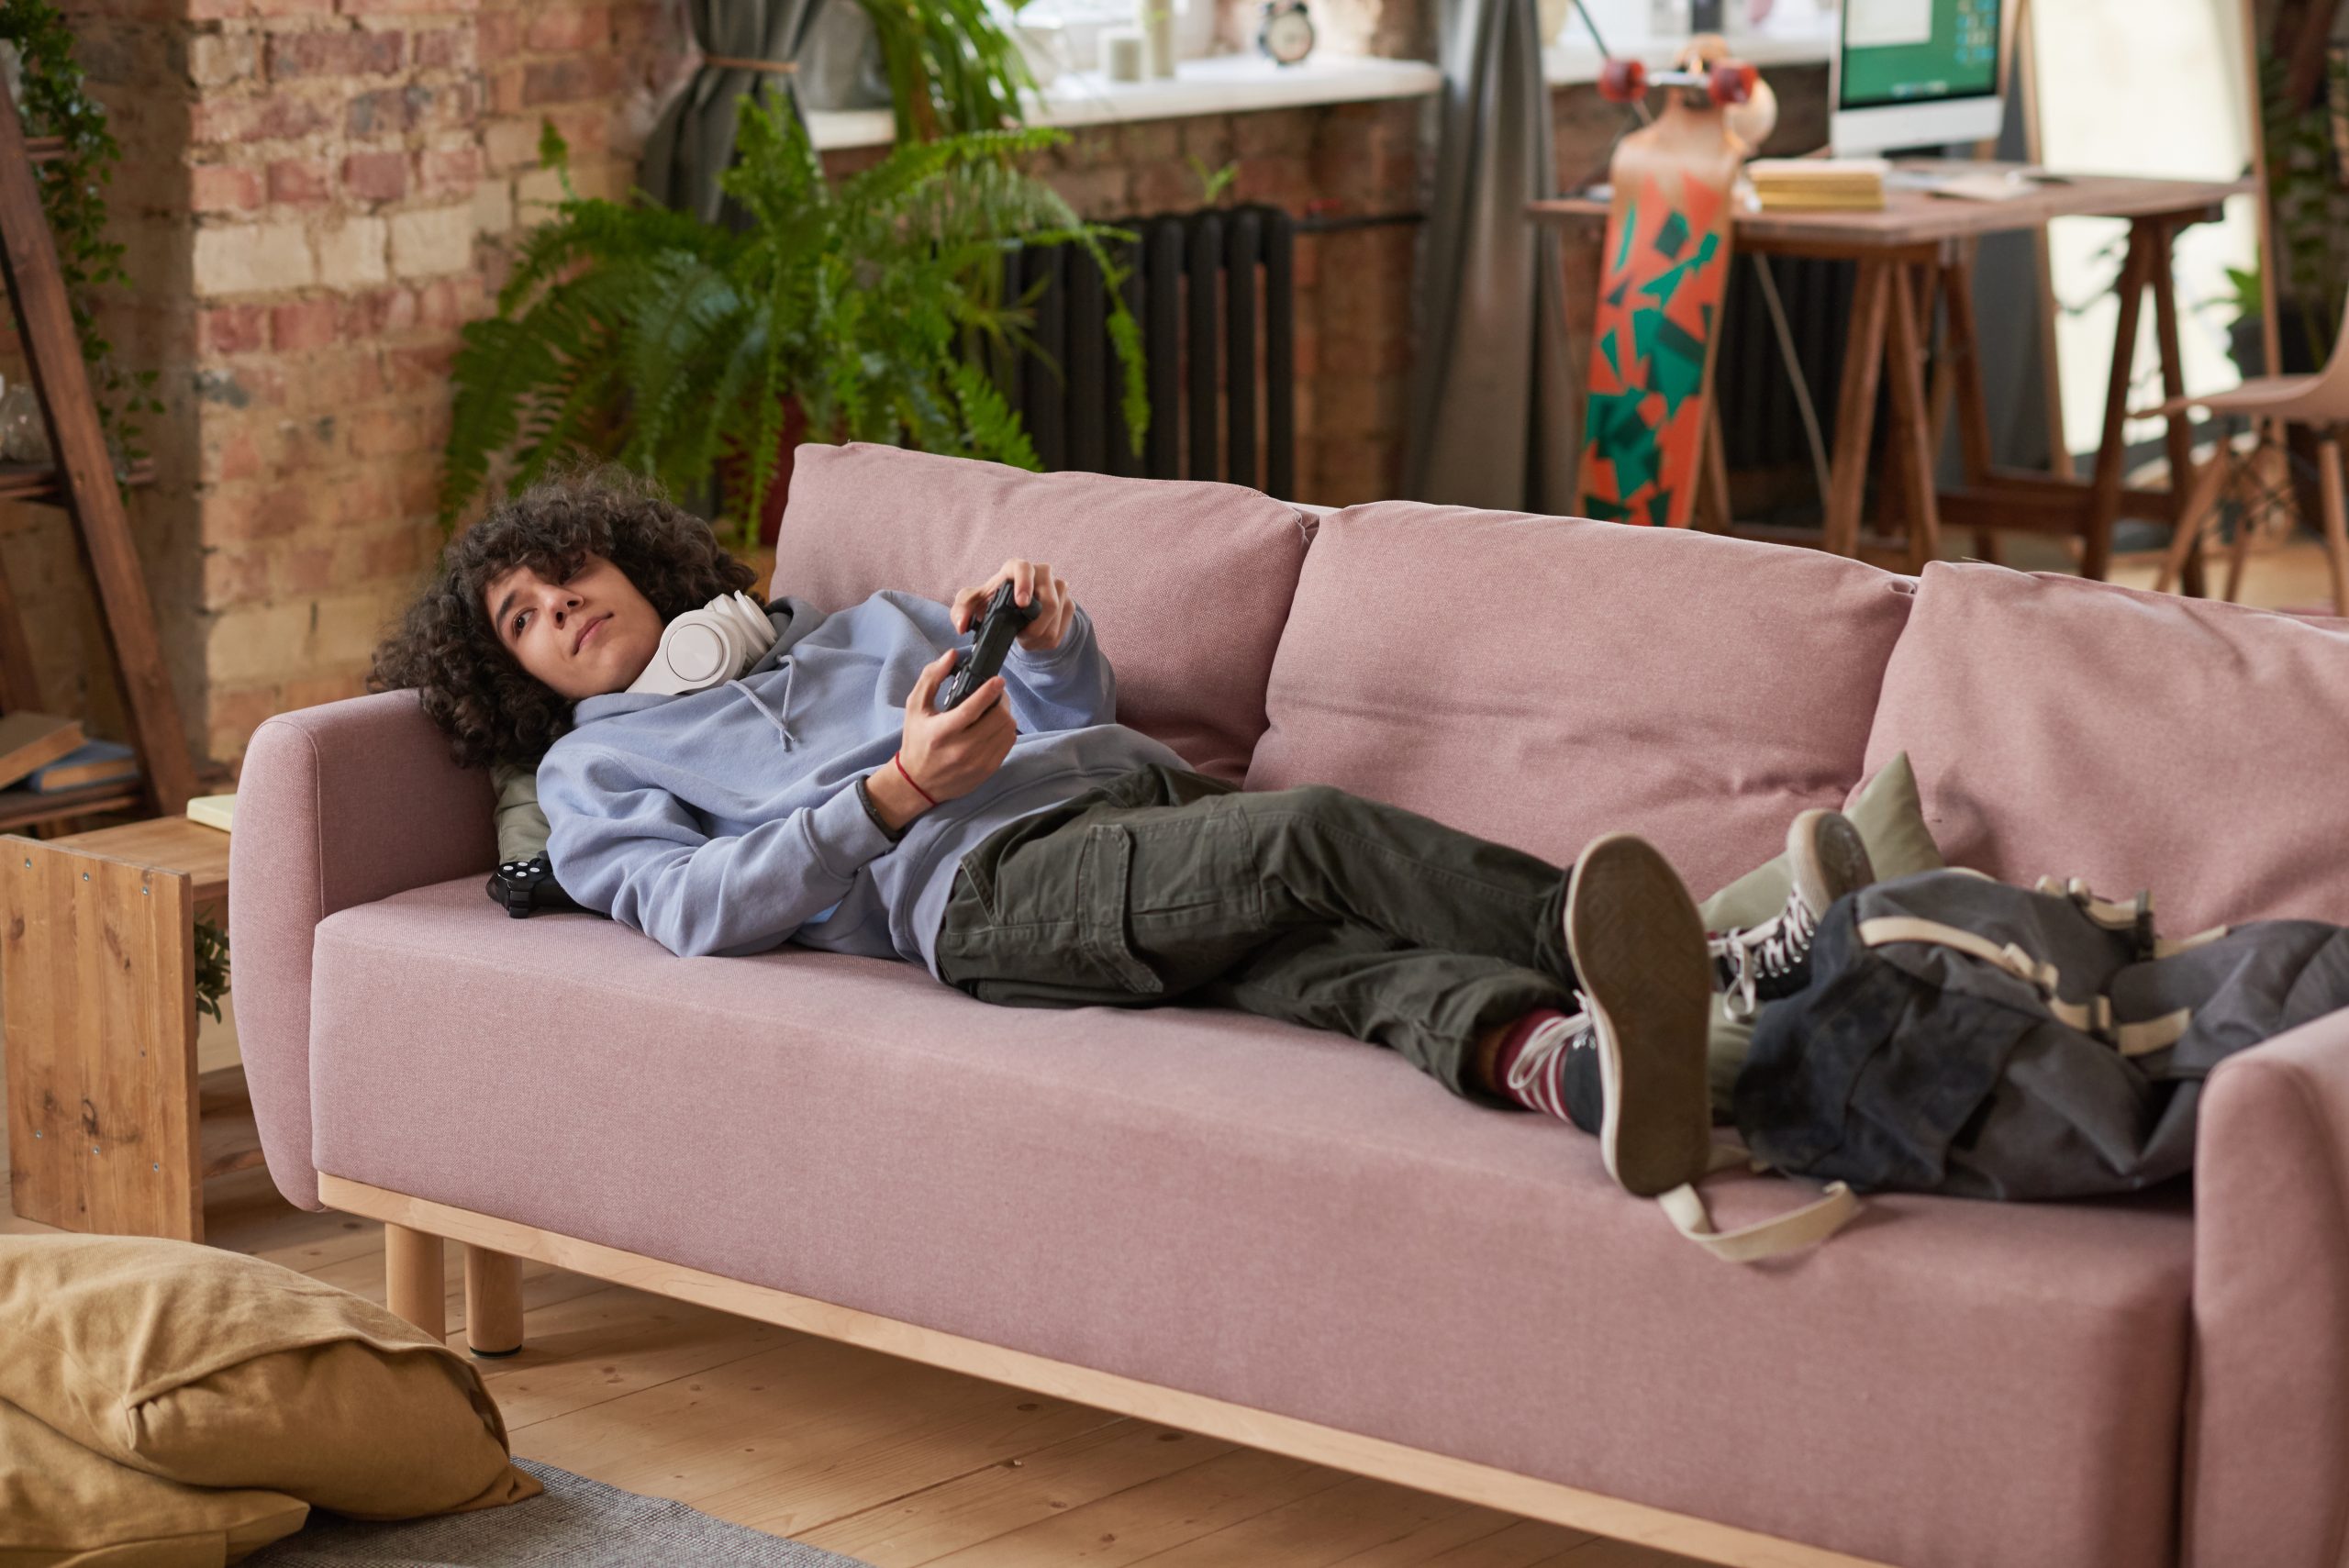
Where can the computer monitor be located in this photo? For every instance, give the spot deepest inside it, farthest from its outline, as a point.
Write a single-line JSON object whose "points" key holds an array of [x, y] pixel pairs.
{"points": [[1916, 74]]}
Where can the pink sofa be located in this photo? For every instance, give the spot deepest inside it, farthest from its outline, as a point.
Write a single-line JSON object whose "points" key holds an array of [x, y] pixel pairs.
{"points": [[1299, 1239]]}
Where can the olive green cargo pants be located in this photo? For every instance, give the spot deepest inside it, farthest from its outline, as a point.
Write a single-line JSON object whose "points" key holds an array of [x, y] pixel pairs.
{"points": [[1310, 906]]}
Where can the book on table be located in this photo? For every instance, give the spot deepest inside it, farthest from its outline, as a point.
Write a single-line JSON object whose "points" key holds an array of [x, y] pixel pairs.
{"points": [[1851, 185]]}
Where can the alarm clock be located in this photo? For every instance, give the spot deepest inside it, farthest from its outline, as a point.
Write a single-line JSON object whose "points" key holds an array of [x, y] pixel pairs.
{"points": [[1286, 32]]}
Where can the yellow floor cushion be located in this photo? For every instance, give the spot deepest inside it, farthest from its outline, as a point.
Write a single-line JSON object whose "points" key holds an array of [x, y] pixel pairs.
{"points": [[64, 1507], [214, 1369]]}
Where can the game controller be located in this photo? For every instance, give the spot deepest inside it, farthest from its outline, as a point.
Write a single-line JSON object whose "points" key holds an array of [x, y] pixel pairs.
{"points": [[1001, 624], [525, 887]]}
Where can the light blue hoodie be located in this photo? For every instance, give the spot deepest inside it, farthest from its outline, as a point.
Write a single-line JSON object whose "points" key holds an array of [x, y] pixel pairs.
{"points": [[727, 821]]}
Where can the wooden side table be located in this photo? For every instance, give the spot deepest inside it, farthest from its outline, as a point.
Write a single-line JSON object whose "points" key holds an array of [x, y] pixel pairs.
{"points": [[111, 1128]]}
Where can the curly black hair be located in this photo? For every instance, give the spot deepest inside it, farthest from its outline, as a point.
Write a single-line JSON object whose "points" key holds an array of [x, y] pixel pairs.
{"points": [[472, 686]]}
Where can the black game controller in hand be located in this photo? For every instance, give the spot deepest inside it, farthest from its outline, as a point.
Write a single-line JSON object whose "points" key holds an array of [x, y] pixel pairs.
{"points": [[998, 629], [525, 887]]}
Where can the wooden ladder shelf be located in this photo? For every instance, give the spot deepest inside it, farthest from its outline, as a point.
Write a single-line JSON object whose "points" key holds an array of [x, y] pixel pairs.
{"points": [[82, 482]]}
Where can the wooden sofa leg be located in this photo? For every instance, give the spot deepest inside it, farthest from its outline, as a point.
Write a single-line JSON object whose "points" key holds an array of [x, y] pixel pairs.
{"points": [[413, 1284], [492, 1302]]}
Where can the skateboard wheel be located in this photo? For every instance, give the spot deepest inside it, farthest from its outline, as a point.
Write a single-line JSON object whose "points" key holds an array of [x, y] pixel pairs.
{"points": [[1620, 80], [1733, 81]]}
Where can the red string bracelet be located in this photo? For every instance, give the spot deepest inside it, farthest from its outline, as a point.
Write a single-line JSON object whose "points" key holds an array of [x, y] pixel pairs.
{"points": [[900, 761]]}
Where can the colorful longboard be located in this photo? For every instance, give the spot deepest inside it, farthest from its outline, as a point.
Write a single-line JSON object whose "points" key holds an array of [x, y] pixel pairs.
{"points": [[1664, 271]]}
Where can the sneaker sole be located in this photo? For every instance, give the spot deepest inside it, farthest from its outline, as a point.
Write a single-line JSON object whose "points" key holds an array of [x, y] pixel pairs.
{"points": [[1828, 857], [1638, 954]]}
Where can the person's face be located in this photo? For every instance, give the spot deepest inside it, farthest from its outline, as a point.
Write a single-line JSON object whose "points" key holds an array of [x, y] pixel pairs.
{"points": [[585, 637]]}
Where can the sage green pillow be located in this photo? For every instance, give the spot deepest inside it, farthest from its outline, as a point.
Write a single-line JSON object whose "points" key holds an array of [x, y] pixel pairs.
{"points": [[1891, 821], [521, 825]]}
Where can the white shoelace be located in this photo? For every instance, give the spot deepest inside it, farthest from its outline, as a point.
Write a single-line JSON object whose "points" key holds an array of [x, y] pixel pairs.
{"points": [[1766, 952], [1531, 1078]]}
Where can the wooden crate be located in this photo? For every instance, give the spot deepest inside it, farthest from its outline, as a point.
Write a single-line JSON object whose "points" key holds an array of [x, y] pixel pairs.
{"points": [[111, 1126]]}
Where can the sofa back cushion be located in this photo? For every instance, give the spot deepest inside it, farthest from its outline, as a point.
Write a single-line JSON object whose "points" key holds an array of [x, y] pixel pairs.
{"points": [[1188, 583], [2060, 727], [1541, 680]]}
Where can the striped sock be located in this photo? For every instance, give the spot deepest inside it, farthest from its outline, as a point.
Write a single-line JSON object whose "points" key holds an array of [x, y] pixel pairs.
{"points": [[1548, 1063]]}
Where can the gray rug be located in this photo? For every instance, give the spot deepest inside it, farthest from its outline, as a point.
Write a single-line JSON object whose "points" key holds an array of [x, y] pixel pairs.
{"points": [[575, 1523]]}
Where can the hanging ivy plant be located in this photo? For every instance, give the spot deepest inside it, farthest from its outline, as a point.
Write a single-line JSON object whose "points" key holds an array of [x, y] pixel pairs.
{"points": [[72, 196]]}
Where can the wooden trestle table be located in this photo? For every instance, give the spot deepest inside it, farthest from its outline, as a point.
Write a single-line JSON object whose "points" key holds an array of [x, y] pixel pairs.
{"points": [[1917, 253]]}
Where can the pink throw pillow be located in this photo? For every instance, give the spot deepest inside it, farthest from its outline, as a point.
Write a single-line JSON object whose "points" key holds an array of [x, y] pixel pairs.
{"points": [[2067, 728], [1542, 680], [1188, 583]]}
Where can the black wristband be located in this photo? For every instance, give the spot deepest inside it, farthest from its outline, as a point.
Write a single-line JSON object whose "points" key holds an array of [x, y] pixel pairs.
{"points": [[864, 798]]}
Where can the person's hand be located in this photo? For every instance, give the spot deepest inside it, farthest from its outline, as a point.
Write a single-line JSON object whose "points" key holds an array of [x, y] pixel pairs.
{"points": [[1033, 582], [944, 755]]}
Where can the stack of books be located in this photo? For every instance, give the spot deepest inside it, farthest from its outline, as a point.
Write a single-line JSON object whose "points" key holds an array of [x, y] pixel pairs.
{"points": [[92, 763], [48, 755], [1837, 184]]}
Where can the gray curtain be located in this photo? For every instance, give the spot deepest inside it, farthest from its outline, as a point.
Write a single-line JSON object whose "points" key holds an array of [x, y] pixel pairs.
{"points": [[1495, 415], [692, 143]]}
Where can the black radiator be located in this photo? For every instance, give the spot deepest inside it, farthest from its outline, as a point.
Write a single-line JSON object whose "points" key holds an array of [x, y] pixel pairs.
{"points": [[1761, 426], [1214, 294]]}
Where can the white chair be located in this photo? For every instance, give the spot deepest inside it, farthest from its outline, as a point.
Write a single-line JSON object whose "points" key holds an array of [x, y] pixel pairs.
{"points": [[2319, 401]]}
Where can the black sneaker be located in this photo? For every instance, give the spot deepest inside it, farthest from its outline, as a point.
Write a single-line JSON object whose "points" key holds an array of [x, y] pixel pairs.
{"points": [[1558, 1071], [1638, 954], [1771, 960]]}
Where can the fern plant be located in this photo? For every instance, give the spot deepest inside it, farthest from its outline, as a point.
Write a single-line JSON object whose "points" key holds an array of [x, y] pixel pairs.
{"points": [[634, 333], [952, 65]]}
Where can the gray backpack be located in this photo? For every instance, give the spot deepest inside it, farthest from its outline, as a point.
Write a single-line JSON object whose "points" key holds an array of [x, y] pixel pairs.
{"points": [[1964, 1037]]}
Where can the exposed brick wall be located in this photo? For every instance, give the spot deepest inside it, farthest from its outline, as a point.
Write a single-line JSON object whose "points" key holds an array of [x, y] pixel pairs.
{"points": [[318, 193]]}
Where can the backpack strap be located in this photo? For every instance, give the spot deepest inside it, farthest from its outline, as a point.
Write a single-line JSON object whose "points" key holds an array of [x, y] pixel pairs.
{"points": [[2136, 915], [2093, 1016], [1781, 1233]]}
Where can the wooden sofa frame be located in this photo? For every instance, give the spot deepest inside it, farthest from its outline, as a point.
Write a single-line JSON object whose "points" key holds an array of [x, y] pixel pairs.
{"points": [[415, 1229]]}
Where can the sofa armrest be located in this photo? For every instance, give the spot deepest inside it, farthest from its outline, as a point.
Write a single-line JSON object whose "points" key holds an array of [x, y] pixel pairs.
{"points": [[2268, 1433], [337, 804]]}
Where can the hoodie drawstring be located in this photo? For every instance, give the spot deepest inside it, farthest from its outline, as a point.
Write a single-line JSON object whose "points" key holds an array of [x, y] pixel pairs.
{"points": [[790, 674]]}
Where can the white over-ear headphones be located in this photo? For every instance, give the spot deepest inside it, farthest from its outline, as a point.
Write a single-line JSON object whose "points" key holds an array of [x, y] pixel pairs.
{"points": [[707, 647]]}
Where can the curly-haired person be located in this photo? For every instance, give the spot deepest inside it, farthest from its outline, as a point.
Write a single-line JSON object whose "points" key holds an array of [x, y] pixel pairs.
{"points": [[1024, 846]]}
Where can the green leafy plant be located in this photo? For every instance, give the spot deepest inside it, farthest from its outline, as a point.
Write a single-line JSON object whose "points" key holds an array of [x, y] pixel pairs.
{"points": [[632, 332], [951, 68], [211, 967], [1213, 182], [73, 197]]}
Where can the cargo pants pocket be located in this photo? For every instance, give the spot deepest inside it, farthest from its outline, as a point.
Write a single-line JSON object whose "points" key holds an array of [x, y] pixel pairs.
{"points": [[1104, 869]]}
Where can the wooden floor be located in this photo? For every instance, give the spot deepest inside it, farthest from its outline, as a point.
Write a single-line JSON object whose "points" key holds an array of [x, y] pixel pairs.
{"points": [[888, 1461], [901, 1465]]}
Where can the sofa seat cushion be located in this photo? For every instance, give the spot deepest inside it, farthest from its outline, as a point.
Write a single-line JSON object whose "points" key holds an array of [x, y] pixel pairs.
{"points": [[1187, 583], [2060, 727], [1542, 680], [1285, 1219]]}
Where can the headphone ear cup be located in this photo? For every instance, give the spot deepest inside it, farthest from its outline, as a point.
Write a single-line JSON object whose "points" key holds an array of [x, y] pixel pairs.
{"points": [[762, 627], [757, 633], [700, 651], [706, 648]]}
